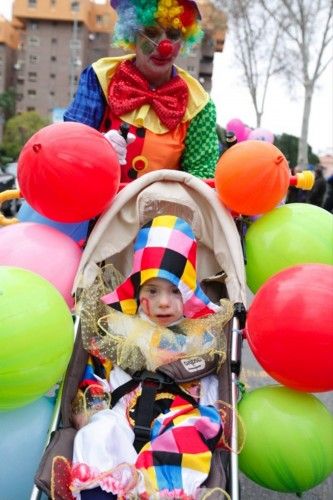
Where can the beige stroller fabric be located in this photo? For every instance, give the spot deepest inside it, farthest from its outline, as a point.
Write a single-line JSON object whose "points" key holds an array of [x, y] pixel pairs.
{"points": [[174, 193]]}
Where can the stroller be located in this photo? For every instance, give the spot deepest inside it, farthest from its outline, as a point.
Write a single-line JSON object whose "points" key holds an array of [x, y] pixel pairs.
{"points": [[220, 269]]}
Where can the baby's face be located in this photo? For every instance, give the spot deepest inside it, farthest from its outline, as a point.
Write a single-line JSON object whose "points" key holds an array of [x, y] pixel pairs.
{"points": [[161, 301]]}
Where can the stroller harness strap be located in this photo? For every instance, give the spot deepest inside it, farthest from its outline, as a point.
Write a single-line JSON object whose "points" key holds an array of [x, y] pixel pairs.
{"points": [[151, 384]]}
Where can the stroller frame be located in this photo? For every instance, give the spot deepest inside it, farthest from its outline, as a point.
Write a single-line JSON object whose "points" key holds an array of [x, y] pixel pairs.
{"points": [[132, 207]]}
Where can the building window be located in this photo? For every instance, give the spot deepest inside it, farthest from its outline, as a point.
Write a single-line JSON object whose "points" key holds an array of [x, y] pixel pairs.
{"points": [[31, 108], [102, 20], [52, 92], [32, 93], [19, 64], [33, 59], [75, 44], [53, 3], [53, 58], [32, 3], [33, 41], [32, 76], [52, 75], [54, 41], [207, 59], [98, 53], [33, 25], [75, 6], [19, 97]]}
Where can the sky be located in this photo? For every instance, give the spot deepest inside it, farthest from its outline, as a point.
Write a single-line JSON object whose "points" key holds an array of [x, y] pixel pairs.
{"points": [[282, 113]]}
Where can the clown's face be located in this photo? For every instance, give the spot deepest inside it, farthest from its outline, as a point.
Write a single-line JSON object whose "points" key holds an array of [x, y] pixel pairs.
{"points": [[161, 301], [153, 62]]}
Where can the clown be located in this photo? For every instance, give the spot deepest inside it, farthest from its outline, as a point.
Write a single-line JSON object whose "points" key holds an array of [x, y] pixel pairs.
{"points": [[170, 117]]}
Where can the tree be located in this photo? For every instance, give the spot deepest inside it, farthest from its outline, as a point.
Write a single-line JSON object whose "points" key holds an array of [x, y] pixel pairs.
{"points": [[7, 104], [19, 129], [307, 28], [288, 144], [255, 40]]}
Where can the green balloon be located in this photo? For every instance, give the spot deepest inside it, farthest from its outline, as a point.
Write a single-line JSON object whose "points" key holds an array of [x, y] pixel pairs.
{"points": [[36, 336], [288, 439], [296, 233]]}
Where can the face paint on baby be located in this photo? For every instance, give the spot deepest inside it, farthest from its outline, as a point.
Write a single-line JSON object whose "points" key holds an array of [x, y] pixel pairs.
{"points": [[161, 301]]}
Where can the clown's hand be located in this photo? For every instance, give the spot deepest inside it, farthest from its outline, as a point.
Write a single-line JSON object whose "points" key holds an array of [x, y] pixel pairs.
{"points": [[119, 144]]}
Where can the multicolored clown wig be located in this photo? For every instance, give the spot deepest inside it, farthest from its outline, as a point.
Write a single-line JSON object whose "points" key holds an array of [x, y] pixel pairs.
{"points": [[134, 15]]}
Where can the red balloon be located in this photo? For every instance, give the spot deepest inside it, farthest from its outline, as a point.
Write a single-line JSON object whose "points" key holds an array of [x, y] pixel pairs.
{"points": [[290, 327], [68, 172], [252, 177]]}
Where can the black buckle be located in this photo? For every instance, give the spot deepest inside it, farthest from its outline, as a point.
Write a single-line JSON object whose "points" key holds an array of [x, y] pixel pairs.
{"points": [[142, 433], [155, 378]]}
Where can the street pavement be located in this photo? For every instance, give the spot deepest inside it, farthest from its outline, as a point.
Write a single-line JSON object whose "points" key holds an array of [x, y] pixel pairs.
{"points": [[252, 375]]}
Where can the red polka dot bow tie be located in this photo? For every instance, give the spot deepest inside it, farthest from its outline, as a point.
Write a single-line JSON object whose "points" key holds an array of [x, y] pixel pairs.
{"points": [[129, 90]]}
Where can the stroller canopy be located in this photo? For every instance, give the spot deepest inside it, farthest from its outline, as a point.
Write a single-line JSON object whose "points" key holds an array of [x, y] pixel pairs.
{"points": [[174, 193]]}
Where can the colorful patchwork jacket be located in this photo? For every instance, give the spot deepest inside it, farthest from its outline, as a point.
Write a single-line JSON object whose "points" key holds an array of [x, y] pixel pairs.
{"points": [[191, 146]]}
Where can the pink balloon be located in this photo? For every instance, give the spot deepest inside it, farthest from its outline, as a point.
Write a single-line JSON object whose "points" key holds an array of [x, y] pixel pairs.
{"points": [[43, 250], [238, 128], [247, 132], [261, 134]]}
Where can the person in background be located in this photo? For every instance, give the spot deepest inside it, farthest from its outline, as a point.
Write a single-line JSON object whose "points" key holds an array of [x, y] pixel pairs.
{"points": [[295, 195], [170, 118], [317, 194], [328, 200]]}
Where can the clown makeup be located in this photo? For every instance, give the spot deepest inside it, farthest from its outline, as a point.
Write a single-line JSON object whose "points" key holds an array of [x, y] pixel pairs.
{"points": [[147, 45], [153, 35], [156, 33], [161, 301], [156, 51]]}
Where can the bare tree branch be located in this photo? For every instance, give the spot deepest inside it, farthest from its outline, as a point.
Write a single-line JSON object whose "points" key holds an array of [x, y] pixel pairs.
{"points": [[297, 36], [255, 39]]}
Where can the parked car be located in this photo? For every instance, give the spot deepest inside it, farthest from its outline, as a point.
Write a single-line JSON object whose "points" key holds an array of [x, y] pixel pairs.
{"points": [[8, 180]]}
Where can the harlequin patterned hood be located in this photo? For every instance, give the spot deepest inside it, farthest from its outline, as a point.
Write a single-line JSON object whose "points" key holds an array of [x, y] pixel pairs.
{"points": [[164, 248]]}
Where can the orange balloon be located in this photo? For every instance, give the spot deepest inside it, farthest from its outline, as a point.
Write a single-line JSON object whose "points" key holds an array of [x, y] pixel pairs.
{"points": [[252, 177]]}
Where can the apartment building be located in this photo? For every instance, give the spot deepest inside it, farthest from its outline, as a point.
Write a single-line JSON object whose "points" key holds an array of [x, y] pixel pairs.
{"points": [[9, 40], [59, 38]]}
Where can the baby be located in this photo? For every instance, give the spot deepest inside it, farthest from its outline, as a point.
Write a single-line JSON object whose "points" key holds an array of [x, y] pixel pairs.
{"points": [[160, 293]]}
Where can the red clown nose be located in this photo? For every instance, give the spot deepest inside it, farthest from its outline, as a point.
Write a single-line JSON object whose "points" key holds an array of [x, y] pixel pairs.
{"points": [[165, 48]]}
